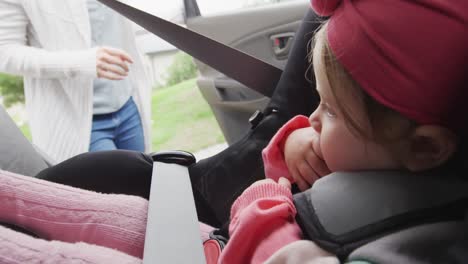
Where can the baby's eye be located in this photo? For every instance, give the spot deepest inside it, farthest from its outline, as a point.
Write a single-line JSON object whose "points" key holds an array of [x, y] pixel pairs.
{"points": [[328, 110]]}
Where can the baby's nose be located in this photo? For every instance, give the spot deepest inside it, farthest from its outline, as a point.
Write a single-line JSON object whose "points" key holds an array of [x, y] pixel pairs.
{"points": [[315, 123]]}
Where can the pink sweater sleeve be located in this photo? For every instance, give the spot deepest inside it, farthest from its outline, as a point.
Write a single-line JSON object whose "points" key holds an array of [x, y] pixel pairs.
{"points": [[273, 158], [262, 222]]}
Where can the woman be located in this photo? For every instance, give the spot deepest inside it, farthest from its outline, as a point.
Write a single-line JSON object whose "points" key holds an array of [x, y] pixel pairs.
{"points": [[51, 44]]}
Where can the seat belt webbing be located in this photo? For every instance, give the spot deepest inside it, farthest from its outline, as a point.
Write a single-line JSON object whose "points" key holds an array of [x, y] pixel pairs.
{"points": [[250, 71], [172, 232]]}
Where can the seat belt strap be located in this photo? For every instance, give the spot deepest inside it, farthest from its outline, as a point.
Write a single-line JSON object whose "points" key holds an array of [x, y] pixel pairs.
{"points": [[250, 71], [172, 232]]}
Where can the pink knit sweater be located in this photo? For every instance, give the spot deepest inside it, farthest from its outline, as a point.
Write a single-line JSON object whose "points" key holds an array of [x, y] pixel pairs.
{"points": [[262, 222], [263, 217], [273, 157]]}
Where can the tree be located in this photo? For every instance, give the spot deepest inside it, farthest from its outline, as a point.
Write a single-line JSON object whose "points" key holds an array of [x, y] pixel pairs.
{"points": [[11, 88]]}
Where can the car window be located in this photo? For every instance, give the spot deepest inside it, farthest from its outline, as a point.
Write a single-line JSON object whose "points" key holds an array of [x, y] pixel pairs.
{"points": [[212, 7], [172, 10]]}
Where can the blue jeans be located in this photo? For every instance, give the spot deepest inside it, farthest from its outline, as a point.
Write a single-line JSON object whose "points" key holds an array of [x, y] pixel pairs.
{"points": [[118, 130]]}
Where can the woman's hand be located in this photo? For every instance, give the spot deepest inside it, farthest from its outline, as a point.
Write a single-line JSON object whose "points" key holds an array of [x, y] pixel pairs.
{"points": [[111, 63], [302, 161]]}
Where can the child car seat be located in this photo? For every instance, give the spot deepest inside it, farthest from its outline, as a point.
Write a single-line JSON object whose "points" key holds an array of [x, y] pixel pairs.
{"points": [[357, 216], [355, 219], [17, 154]]}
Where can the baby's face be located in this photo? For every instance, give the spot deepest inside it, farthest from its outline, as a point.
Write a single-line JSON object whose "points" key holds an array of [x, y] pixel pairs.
{"points": [[341, 149]]}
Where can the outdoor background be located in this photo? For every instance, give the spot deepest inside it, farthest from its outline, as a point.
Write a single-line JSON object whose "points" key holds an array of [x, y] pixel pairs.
{"points": [[181, 117]]}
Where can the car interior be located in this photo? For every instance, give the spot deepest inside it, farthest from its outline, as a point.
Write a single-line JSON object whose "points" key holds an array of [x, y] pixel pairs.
{"points": [[280, 44], [265, 32]]}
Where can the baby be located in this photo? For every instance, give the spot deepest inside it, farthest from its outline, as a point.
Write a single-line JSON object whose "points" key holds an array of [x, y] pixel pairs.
{"points": [[386, 103]]}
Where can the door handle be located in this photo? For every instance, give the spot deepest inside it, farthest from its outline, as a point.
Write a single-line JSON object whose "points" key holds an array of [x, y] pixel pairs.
{"points": [[282, 44]]}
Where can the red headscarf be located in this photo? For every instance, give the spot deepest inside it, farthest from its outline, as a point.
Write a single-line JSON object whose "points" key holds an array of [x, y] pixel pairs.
{"points": [[409, 55]]}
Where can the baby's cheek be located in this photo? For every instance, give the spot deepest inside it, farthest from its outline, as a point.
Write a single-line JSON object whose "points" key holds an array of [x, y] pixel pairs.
{"points": [[340, 156], [338, 161]]}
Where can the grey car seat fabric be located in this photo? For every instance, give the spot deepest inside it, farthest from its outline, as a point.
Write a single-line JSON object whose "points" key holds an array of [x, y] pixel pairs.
{"points": [[442, 242], [386, 216], [17, 154]]}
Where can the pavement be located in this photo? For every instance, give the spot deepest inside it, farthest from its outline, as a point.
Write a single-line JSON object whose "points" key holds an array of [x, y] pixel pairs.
{"points": [[210, 151]]}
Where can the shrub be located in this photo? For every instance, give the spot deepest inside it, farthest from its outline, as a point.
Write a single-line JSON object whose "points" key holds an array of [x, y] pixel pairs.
{"points": [[182, 68], [11, 88]]}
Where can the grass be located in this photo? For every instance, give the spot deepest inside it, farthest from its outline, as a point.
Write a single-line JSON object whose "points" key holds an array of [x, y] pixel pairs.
{"points": [[181, 119], [26, 131]]}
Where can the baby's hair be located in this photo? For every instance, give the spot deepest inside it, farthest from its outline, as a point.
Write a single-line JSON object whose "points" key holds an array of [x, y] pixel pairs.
{"points": [[387, 124]]}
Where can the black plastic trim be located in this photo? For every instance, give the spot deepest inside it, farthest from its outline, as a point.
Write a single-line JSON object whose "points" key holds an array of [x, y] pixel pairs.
{"points": [[179, 157]]}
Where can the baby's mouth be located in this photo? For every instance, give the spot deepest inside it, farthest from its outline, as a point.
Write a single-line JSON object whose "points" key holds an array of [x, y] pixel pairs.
{"points": [[318, 152]]}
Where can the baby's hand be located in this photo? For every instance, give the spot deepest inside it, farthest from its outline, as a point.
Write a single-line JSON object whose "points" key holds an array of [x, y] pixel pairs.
{"points": [[303, 163]]}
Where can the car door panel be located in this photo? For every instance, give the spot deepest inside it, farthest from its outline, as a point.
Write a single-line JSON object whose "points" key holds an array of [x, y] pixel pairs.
{"points": [[232, 104], [250, 31]]}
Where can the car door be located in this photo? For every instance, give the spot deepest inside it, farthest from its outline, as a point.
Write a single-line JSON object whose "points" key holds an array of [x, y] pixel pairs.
{"points": [[265, 32]]}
